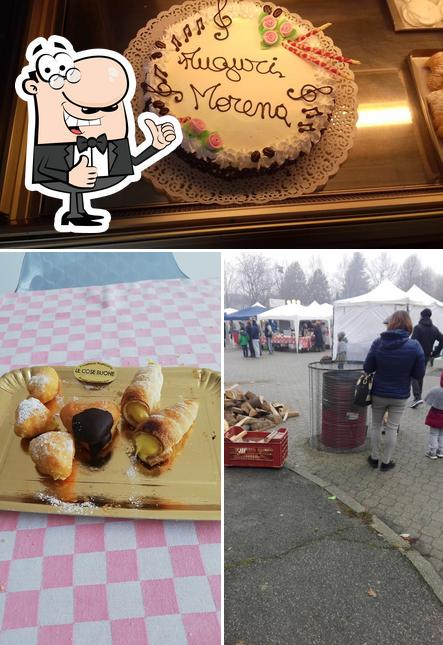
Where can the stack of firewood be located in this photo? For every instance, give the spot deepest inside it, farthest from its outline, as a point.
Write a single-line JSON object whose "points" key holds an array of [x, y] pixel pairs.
{"points": [[253, 412]]}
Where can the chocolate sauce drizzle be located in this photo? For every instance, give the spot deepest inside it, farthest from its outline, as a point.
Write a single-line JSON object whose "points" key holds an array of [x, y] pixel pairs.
{"points": [[222, 22], [309, 93], [163, 88]]}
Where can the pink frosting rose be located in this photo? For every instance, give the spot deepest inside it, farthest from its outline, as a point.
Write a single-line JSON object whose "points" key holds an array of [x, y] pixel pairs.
{"points": [[286, 28], [270, 37], [215, 141], [269, 22], [197, 126]]}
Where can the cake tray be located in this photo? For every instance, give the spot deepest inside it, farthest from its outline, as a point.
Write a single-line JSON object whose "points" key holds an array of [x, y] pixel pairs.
{"points": [[188, 488], [400, 23], [419, 72]]}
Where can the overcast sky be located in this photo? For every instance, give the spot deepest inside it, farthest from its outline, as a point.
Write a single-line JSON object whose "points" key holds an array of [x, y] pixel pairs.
{"points": [[331, 258]]}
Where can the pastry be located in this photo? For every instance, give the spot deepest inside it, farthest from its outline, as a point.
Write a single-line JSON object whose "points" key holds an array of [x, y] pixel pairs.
{"points": [[435, 78], [422, 13], [43, 384], [156, 438], [93, 425], [435, 63], [435, 100], [31, 418], [247, 102], [53, 454], [142, 397]]}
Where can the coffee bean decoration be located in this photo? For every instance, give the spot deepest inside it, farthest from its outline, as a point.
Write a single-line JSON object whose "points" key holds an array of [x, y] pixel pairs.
{"points": [[255, 156], [268, 152], [156, 55], [144, 86], [158, 104], [163, 111], [148, 103], [277, 12], [267, 9], [160, 45]]}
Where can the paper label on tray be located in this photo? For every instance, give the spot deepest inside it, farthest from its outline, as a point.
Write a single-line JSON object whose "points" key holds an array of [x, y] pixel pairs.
{"points": [[98, 373]]}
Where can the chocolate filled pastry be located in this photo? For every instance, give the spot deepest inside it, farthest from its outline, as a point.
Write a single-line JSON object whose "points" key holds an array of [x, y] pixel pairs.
{"points": [[142, 397], [31, 418], [53, 454], [156, 438], [43, 384], [93, 426]]}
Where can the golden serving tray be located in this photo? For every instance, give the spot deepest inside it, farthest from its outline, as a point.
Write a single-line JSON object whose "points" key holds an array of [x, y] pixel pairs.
{"points": [[420, 73], [189, 488]]}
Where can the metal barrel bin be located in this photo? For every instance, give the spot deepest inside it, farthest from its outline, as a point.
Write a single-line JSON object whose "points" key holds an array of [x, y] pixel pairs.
{"points": [[336, 423]]}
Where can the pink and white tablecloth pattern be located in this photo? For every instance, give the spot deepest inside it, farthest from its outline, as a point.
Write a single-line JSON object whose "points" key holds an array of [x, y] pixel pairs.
{"points": [[80, 580]]}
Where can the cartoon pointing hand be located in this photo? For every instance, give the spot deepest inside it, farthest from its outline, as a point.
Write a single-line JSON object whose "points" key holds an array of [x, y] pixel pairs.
{"points": [[163, 134]]}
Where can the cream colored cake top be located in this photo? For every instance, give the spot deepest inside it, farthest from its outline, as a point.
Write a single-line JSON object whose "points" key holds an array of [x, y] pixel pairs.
{"points": [[244, 100]]}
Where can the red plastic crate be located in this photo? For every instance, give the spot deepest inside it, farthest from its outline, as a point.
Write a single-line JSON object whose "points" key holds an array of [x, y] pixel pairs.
{"points": [[256, 455]]}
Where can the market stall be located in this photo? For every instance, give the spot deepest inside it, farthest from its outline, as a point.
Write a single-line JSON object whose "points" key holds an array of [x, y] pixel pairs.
{"points": [[233, 319], [298, 338], [361, 317]]}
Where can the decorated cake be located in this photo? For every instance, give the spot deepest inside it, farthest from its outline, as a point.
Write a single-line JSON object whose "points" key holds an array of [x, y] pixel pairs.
{"points": [[252, 84]]}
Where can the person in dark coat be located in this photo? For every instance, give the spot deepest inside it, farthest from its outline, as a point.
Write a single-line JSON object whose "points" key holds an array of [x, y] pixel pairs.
{"points": [[249, 332], [395, 358], [434, 420], [255, 334], [427, 335], [318, 345]]}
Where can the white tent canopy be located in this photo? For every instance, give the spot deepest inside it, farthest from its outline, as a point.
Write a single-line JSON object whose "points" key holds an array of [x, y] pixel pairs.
{"points": [[361, 318], [298, 313], [229, 310], [420, 299]]}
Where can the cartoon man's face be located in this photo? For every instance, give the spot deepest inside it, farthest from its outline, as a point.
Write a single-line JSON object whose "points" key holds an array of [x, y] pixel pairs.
{"points": [[80, 97]]}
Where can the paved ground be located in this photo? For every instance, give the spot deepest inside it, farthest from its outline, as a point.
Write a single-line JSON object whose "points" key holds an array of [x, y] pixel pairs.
{"points": [[409, 498], [297, 571]]}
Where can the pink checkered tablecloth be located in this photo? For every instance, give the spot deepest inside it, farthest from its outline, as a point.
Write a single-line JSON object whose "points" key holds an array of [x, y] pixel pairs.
{"points": [[84, 580]]}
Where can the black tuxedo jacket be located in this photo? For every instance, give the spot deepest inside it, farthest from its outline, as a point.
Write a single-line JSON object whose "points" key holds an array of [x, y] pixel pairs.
{"points": [[53, 161]]}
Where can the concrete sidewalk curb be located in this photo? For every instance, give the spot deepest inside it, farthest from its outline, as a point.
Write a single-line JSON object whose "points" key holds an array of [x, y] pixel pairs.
{"points": [[424, 568]]}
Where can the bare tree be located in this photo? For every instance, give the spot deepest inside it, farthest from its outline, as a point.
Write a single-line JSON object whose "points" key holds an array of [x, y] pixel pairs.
{"points": [[381, 268], [337, 279], [427, 280], [230, 282], [255, 277], [409, 272], [438, 287], [280, 269]]}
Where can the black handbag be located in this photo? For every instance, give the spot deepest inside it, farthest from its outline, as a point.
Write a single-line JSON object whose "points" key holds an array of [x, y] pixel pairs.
{"points": [[363, 390]]}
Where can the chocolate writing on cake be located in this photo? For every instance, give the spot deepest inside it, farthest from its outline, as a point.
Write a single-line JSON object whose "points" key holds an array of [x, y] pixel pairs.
{"points": [[240, 105], [309, 93], [231, 68], [222, 22], [163, 88]]}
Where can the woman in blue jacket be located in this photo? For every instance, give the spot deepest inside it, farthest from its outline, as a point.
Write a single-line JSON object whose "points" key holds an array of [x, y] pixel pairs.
{"points": [[395, 358]]}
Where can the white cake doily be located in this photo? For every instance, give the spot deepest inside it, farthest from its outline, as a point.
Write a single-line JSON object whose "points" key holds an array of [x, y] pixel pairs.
{"points": [[183, 182]]}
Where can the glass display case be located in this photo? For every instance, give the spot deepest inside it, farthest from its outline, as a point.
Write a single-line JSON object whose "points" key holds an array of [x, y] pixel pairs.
{"points": [[389, 188]]}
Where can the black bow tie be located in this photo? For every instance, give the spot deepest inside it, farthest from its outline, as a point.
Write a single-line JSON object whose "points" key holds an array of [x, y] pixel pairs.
{"points": [[101, 143]]}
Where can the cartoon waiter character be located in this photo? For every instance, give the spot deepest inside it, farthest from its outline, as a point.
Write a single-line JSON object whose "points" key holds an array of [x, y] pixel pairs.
{"points": [[81, 131]]}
